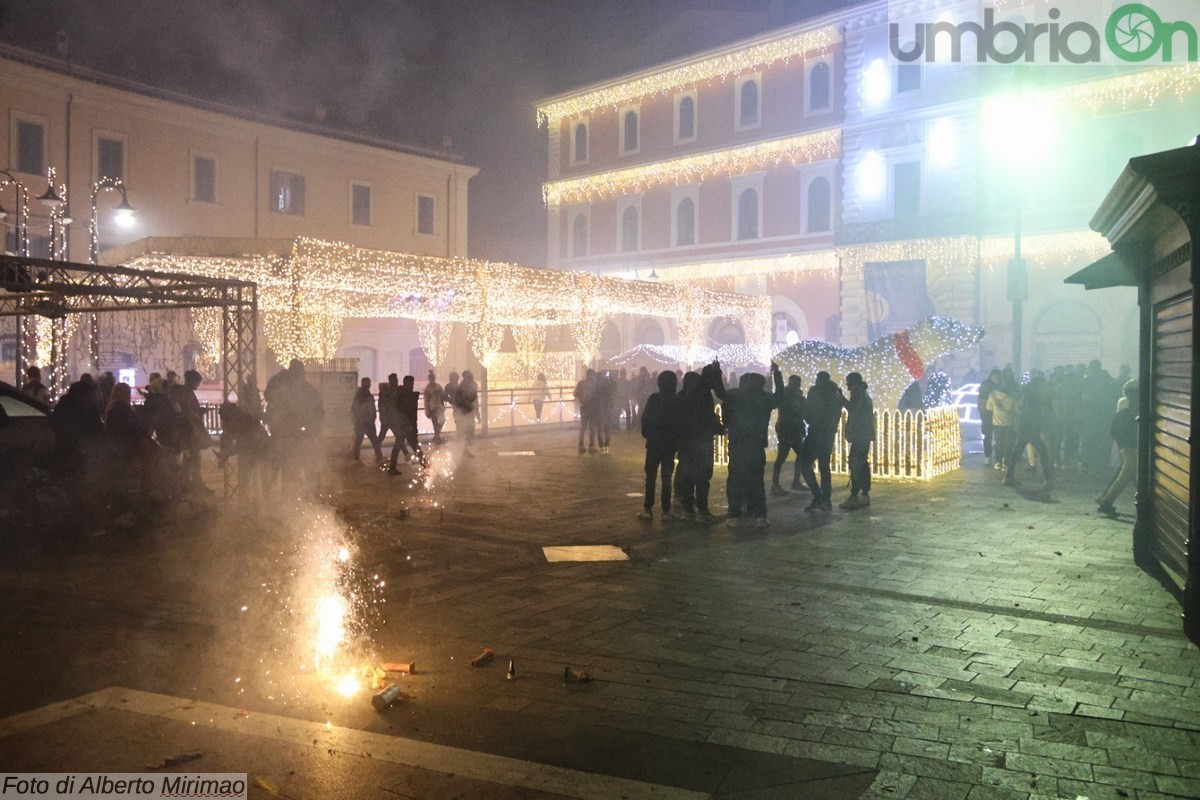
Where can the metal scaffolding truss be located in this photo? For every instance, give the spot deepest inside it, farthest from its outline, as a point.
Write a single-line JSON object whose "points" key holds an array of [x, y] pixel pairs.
{"points": [[37, 287]]}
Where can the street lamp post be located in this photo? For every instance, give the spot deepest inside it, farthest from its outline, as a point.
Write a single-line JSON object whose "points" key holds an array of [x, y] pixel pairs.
{"points": [[124, 211], [22, 232], [1021, 133]]}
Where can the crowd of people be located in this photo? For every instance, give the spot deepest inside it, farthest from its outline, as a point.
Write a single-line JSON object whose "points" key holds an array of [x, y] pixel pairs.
{"points": [[399, 406], [1067, 420], [679, 422], [108, 447]]}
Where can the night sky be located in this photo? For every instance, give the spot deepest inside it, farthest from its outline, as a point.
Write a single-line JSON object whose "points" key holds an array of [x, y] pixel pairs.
{"points": [[408, 70]]}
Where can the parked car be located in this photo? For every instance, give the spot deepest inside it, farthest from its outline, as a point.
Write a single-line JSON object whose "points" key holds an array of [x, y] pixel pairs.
{"points": [[26, 437]]}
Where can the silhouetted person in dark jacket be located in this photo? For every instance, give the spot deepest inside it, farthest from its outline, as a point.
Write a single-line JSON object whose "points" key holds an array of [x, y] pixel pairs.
{"points": [[860, 433], [699, 426], [822, 413], [660, 429], [789, 431], [747, 412]]}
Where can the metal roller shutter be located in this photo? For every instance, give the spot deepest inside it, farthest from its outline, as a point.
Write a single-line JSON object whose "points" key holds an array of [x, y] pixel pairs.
{"points": [[1170, 460]]}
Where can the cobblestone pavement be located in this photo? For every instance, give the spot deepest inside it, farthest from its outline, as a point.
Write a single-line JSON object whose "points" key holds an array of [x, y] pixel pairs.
{"points": [[957, 639]]}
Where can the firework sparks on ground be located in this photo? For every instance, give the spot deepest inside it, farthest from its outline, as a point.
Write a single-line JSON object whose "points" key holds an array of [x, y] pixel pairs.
{"points": [[317, 613]]}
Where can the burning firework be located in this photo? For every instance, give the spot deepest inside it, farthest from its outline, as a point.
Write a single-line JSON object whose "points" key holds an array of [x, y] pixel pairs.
{"points": [[323, 609]]}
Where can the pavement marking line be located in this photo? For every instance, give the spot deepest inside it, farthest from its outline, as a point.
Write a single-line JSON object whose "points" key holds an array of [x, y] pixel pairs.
{"points": [[381, 747]]}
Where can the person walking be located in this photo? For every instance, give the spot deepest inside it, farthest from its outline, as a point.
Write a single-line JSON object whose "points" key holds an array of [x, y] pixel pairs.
{"points": [[789, 433], [660, 429], [822, 413], [986, 428], [387, 408], [362, 415], [860, 433], [1002, 403], [747, 411], [434, 398], [1124, 434], [465, 401], [406, 424], [1030, 421], [541, 393]]}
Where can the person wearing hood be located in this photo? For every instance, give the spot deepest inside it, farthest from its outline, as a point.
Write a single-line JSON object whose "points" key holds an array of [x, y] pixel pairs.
{"points": [[822, 413], [661, 430], [747, 411], [859, 432], [699, 426]]}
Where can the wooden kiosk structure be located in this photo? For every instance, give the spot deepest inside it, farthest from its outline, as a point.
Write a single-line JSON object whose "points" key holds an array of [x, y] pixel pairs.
{"points": [[1151, 217]]}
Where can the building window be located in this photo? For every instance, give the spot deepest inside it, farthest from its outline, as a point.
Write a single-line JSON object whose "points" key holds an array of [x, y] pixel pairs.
{"points": [[747, 103], [579, 143], [908, 78], [747, 214], [629, 229], [629, 131], [685, 118], [110, 158], [360, 204], [31, 147], [906, 190], [819, 87], [425, 207], [579, 236], [685, 222], [818, 218], [287, 192], [204, 179]]}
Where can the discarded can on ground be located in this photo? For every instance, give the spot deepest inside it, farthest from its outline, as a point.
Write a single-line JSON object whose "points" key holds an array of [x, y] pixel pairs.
{"points": [[576, 676], [512, 671], [487, 655], [385, 697], [404, 512]]}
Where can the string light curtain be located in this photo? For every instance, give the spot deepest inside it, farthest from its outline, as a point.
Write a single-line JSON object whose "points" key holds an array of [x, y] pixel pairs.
{"points": [[305, 294]]}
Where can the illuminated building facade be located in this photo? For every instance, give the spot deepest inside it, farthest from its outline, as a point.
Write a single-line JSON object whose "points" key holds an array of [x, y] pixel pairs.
{"points": [[860, 193], [210, 175]]}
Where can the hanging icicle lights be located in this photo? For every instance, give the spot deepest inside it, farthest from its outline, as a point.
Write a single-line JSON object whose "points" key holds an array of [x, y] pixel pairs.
{"points": [[305, 295], [792, 151], [719, 67]]}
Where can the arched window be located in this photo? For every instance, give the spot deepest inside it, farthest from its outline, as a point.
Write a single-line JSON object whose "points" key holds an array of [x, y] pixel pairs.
{"points": [[685, 222], [818, 205], [748, 113], [747, 208], [650, 332], [629, 230], [630, 132], [687, 119], [581, 142], [579, 236], [818, 87], [726, 331]]}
